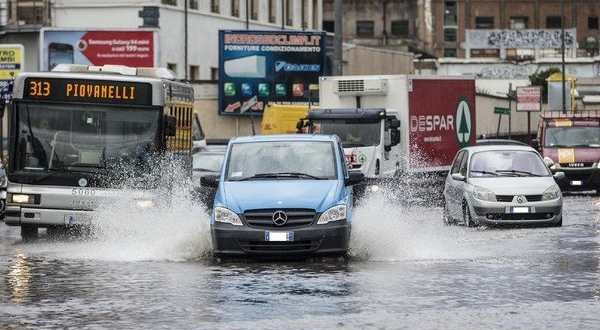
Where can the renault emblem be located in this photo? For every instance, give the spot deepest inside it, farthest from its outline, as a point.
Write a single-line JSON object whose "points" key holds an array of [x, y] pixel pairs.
{"points": [[521, 199], [279, 218]]}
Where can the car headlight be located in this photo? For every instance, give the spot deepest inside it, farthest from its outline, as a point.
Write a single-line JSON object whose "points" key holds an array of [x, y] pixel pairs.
{"points": [[227, 216], [484, 194], [551, 193], [21, 199], [335, 213], [144, 203]]}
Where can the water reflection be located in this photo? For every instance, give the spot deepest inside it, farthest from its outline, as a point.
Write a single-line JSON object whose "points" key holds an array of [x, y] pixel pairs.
{"points": [[18, 279]]}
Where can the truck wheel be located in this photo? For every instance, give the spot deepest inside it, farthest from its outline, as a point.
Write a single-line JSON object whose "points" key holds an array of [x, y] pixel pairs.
{"points": [[468, 220], [29, 232]]}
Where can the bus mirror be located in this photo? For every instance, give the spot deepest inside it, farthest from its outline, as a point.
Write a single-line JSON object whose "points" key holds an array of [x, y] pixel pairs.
{"points": [[394, 124], [395, 136], [170, 125]]}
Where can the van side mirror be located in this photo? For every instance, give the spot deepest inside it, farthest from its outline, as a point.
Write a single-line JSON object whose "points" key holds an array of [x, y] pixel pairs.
{"points": [[354, 177], [558, 176], [458, 177], [210, 181], [170, 125]]}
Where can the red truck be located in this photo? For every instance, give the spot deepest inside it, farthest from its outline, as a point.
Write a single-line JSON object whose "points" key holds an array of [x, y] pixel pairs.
{"points": [[570, 143]]}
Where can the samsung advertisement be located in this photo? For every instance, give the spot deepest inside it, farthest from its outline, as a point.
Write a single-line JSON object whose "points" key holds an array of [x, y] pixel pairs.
{"points": [[258, 67]]}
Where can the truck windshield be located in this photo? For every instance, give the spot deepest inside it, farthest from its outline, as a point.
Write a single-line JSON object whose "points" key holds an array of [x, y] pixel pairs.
{"points": [[281, 160], [507, 163], [353, 134], [68, 137], [586, 137]]}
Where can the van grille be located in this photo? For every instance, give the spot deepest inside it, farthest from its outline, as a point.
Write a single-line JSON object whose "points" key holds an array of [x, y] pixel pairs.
{"points": [[349, 86], [263, 218]]}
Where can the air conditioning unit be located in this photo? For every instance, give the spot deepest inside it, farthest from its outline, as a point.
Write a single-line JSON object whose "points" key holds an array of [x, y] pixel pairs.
{"points": [[363, 86]]}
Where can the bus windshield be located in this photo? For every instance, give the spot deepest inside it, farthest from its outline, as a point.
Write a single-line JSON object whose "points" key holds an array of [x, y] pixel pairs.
{"points": [[352, 134], [71, 137]]}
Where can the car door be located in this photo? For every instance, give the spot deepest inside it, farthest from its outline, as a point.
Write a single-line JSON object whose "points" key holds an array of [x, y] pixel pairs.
{"points": [[450, 191]]}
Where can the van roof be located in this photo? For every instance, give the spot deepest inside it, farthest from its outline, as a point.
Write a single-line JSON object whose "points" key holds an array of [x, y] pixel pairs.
{"points": [[286, 137]]}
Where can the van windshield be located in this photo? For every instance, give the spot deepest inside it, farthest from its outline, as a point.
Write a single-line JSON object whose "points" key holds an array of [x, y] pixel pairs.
{"points": [[281, 160], [572, 137], [507, 163], [351, 133]]}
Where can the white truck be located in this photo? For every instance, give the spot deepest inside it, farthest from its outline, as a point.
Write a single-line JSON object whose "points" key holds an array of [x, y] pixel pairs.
{"points": [[393, 125]]}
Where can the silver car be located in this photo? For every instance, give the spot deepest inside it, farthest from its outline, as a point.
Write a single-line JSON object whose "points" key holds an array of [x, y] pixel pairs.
{"points": [[501, 184]]}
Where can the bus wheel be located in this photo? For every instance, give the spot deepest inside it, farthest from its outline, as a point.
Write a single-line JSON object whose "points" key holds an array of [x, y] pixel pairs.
{"points": [[29, 232]]}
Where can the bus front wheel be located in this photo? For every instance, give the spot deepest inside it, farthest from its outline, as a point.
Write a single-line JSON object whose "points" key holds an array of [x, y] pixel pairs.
{"points": [[29, 232]]}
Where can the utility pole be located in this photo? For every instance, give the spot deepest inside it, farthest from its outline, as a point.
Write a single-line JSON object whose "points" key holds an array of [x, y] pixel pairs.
{"points": [[338, 41], [564, 73], [185, 36]]}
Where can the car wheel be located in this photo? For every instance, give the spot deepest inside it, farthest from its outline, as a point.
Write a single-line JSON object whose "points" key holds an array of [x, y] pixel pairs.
{"points": [[558, 224], [446, 216], [468, 220], [29, 232]]}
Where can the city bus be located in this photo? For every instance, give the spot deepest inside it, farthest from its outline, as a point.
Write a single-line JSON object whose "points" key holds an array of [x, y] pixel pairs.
{"points": [[71, 127]]}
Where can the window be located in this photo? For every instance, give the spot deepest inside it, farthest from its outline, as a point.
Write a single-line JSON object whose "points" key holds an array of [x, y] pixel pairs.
{"points": [[450, 34], [593, 23], [449, 52], [272, 16], [450, 10], [365, 28], [463, 165], [457, 162], [400, 28], [289, 9], [193, 4], [305, 11], [486, 22], [329, 26], [254, 9], [194, 72], [214, 74], [485, 52], [172, 67], [169, 2], [214, 6], [315, 14], [235, 8], [553, 22], [519, 22]]}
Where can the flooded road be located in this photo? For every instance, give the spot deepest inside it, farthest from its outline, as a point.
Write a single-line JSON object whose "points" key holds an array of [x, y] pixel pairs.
{"points": [[408, 271]]}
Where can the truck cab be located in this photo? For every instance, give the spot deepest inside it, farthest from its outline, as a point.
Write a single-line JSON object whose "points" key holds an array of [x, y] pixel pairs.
{"points": [[370, 137], [570, 143]]}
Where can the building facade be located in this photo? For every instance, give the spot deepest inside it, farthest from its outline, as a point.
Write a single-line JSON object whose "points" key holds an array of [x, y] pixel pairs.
{"points": [[21, 21]]}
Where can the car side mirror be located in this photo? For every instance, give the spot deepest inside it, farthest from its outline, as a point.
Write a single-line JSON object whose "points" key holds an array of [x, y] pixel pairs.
{"points": [[535, 144], [458, 177], [354, 177], [210, 181], [170, 125], [558, 176]]}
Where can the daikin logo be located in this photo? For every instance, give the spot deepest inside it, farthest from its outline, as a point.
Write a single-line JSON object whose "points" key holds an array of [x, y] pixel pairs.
{"points": [[291, 67], [463, 122]]}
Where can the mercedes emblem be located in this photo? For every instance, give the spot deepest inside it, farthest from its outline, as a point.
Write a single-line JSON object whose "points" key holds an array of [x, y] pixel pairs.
{"points": [[279, 218]]}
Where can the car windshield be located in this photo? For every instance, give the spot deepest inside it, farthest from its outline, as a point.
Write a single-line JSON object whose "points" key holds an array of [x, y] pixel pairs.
{"points": [[281, 159], [352, 134], [573, 137], [207, 162], [75, 138], [507, 163]]}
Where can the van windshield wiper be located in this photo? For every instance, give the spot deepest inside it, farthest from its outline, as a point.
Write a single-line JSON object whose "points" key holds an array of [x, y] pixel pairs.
{"points": [[517, 172], [281, 175]]}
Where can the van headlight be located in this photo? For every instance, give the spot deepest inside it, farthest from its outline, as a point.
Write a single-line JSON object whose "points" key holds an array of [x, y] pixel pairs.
{"points": [[335, 213], [551, 193], [484, 194], [227, 216]]}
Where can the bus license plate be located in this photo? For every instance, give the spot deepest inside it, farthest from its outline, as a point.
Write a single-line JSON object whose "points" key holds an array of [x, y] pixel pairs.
{"points": [[576, 183], [77, 219], [279, 236]]}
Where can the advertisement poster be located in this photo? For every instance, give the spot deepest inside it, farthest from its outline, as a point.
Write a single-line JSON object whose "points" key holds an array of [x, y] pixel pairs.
{"points": [[11, 61], [529, 98], [260, 67], [134, 48]]}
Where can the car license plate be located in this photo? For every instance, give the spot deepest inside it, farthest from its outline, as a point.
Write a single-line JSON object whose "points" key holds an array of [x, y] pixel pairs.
{"points": [[576, 183], [279, 236], [77, 219], [520, 209]]}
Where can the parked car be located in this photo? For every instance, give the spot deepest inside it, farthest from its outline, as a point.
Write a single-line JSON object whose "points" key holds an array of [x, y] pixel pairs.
{"points": [[501, 184], [206, 162], [281, 195]]}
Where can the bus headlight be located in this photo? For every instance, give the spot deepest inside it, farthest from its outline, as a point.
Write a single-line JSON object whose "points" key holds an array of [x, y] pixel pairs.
{"points": [[227, 216], [144, 203], [21, 198], [335, 213]]}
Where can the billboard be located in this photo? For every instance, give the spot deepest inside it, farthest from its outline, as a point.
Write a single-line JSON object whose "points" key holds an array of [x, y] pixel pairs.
{"points": [[261, 67], [529, 98], [11, 61], [135, 48]]}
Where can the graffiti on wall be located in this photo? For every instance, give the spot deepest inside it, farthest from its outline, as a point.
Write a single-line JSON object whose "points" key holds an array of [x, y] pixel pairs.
{"points": [[522, 39]]}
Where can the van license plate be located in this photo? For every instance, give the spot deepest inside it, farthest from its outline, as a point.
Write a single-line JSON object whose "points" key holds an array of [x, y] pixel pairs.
{"points": [[576, 183], [520, 209], [279, 236]]}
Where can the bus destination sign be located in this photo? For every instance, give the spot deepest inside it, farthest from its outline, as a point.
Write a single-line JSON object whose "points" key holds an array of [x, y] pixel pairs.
{"points": [[88, 91]]}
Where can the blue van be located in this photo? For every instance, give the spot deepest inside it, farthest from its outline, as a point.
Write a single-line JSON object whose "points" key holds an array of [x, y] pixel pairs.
{"points": [[282, 195]]}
